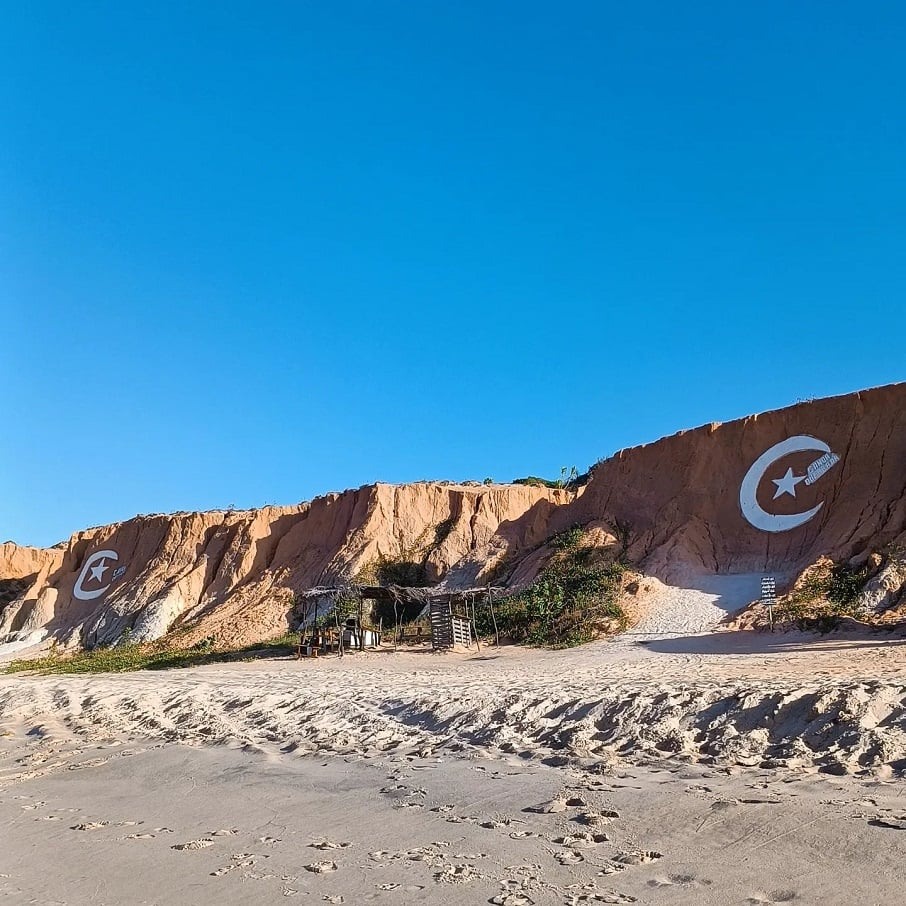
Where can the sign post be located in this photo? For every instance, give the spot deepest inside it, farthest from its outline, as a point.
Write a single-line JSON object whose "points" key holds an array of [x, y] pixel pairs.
{"points": [[769, 597]]}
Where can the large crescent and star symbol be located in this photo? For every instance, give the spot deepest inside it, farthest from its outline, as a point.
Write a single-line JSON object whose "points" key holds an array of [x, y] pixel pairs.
{"points": [[757, 515], [92, 575]]}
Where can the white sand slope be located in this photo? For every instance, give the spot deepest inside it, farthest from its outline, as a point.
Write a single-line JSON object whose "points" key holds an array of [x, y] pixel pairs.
{"points": [[698, 605]]}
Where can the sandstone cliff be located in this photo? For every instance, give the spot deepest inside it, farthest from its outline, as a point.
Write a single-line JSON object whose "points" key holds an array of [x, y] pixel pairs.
{"points": [[233, 574], [740, 496], [768, 493]]}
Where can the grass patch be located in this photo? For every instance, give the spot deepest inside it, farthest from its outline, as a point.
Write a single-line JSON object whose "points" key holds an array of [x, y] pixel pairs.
{"points": [[152, 656], [575, 598]]}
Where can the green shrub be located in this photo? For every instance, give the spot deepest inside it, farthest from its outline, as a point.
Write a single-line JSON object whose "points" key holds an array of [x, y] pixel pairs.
{"points": [[533, 481], [574, 599], [825, 596], [569, 478]]}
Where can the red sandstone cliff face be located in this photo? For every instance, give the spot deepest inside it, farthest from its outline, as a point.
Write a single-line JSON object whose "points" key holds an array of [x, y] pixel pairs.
{"points": [[769, 493], [233, 574], [708, 500]]}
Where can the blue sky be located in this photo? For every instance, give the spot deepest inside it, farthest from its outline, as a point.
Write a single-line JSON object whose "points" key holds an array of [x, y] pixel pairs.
{"points": [[252, 253]]}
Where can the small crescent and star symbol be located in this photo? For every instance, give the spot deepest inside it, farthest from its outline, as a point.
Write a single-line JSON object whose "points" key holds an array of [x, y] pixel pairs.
{"points": [[90, 583], [786, 484]]}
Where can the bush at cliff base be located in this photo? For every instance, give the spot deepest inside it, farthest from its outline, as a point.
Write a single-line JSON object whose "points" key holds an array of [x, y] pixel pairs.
{"points": [[573, 600]]}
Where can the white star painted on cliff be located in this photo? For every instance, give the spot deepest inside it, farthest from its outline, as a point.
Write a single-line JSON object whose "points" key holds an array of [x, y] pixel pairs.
{"points": [[97, 572], [787, 484]]}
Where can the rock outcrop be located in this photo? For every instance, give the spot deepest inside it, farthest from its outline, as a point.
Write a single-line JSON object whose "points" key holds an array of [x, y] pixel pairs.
{"points": [[768, 493]]}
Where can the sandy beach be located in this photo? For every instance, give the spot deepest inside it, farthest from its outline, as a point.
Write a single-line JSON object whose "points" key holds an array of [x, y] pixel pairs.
{"points": [[713, 769]]}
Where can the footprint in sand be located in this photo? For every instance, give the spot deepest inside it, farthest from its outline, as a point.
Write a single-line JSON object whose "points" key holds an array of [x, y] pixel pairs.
{"points": [[679, 880], [139, 837], [239, 860], [320, 868], [768, 899], [328, 844], [595, 819], [551, 807], [607, 896], [583, 839], [611, 868], [571, 857], [224, 832], [90, 825], [457, 874], [512, 899], [522, 835], [191, 845], [637, 857]]}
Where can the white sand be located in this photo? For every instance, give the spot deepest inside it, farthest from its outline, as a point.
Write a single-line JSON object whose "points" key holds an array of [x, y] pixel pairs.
{"points": [[733, 696], [765, 769], [698, 605], [139, 823]]}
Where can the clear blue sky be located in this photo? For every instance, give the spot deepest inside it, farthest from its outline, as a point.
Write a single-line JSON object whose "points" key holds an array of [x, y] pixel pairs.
{"points": [[255, 252]]}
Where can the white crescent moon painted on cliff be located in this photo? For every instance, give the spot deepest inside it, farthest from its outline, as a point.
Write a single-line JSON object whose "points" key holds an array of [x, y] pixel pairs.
{"points": [[100, 557], [748, 500]]}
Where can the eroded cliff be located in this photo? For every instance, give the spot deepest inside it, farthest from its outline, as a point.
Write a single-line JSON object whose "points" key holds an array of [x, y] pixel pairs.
{"points": [[769, 493]]}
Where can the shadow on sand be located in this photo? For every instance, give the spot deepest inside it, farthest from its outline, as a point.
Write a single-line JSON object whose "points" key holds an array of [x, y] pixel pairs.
{"points": [[749, 641]]}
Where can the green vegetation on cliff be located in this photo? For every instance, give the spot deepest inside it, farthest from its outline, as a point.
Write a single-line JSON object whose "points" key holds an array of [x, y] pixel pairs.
{"points": [[825, 595], [573, 600]]}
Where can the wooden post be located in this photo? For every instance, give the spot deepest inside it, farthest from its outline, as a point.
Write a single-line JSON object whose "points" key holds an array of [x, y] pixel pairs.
{"points": [[361, 630], [474, 624], [336, 619], [493, 617], [396, 624]]}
